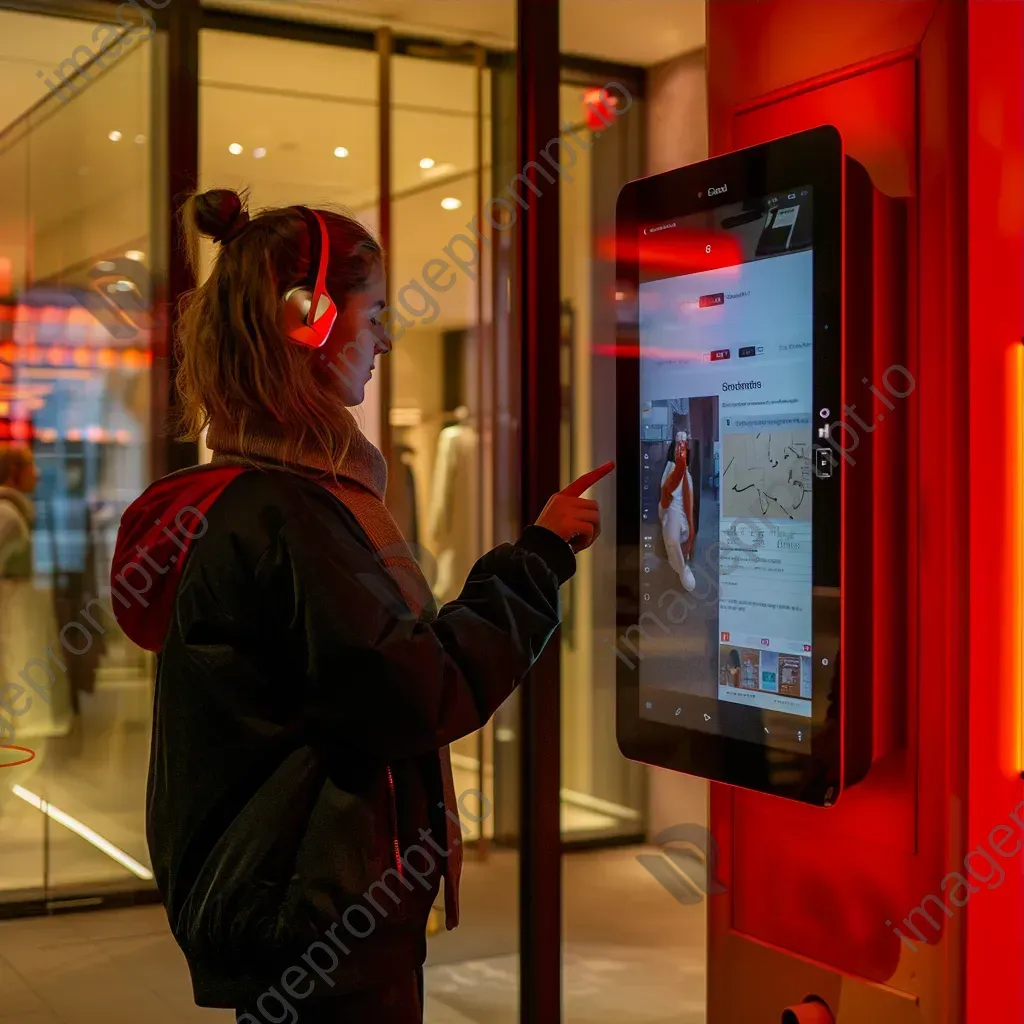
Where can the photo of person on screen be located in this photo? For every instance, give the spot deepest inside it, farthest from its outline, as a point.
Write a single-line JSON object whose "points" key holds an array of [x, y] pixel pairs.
{"points": [[676, 511]]}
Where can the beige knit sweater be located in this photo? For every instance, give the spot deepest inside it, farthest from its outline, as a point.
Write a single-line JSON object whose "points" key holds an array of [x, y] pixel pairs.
{"points": [[360, 484]]}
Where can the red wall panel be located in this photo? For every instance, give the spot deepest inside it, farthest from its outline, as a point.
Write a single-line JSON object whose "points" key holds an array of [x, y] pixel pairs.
{"points": [[995, 207], [810, 891]]}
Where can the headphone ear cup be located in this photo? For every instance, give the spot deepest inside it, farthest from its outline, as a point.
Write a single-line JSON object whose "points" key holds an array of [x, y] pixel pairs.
{"points": [[295, 311], [294, 319]]}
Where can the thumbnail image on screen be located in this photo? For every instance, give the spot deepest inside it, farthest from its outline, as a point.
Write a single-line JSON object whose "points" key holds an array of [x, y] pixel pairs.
{"points": [[726, 373]]}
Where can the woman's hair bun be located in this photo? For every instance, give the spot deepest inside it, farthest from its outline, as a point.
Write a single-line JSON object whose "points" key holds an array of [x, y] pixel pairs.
{"points": [[220, 213]]}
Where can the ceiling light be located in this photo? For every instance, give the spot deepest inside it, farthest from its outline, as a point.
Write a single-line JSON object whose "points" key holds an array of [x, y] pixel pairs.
{"points": [[427, 162], [140, 138], [114, 136], [260, 152], [340, 151], [234, 149], [451, 203], [135, 254]]}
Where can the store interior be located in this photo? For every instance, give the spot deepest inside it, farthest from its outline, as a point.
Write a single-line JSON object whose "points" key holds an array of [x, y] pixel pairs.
{"points": [[79, 182]]}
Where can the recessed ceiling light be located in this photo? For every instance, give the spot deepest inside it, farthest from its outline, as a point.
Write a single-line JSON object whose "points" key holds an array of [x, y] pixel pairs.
{"points": [[140, 139], [136, 254], [234, 149], [427, 162], [341, 152], [451, 203], [114, 136], [260, 152]]}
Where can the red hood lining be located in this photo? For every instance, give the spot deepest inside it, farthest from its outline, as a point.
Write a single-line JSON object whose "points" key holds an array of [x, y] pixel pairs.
{"points": [[156, 536]]}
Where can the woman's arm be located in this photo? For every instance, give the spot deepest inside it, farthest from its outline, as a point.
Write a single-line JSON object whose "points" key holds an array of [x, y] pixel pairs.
{"points": [[379, 681]]}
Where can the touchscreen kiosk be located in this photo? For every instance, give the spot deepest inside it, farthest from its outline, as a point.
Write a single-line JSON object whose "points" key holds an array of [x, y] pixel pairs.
{"points": [[730, 361]]}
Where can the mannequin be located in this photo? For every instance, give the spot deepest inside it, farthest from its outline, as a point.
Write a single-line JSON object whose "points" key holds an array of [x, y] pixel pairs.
{"points": [[401, 494], [452, 518], [36, 704]]}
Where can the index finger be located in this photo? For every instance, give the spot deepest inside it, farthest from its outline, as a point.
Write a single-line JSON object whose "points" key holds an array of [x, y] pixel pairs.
{"points": [[579, 485]]}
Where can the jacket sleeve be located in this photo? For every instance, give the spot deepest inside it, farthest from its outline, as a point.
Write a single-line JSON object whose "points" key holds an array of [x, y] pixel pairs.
{"points": [[378, 680]]}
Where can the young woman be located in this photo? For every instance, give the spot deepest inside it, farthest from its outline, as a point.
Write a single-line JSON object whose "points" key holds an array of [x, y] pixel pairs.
{"points": [[676, 511], [302, 813]]}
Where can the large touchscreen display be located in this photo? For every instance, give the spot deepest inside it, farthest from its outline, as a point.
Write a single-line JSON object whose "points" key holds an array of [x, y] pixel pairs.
{"points": [[726, 372]]}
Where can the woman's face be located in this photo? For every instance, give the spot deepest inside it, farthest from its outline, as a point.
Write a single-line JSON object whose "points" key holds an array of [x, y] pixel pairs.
{"points": [[357, 338]]}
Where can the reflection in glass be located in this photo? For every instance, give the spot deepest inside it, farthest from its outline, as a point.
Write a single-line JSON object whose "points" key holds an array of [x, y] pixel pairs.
{"points": [[75, 354]]}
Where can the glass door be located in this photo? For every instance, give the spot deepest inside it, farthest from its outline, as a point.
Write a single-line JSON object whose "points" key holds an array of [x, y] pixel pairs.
{"points": [[76, 344], [449, 417]]}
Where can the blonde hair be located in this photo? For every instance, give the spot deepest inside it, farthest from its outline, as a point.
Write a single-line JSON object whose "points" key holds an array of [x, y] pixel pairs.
{"points": [[235, 367]]}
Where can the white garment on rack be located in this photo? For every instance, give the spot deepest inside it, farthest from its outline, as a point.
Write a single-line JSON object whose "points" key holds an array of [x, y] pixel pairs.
{"points": [[452, 517]]}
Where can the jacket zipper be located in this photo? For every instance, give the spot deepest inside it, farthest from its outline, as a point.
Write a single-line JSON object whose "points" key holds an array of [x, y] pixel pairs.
{"points": [[394, 823]]}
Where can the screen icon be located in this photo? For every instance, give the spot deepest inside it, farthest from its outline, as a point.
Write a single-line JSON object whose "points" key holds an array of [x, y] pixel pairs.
{"points": [[765, 642], [807, 648], [725, 637]]}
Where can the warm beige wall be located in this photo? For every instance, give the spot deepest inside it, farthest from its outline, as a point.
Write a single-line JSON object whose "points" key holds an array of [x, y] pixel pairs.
{"points": [[677, 112], [677, 134]]}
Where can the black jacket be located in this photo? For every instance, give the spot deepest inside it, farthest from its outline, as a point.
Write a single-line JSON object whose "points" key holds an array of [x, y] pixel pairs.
{"points": [[298, 718]]}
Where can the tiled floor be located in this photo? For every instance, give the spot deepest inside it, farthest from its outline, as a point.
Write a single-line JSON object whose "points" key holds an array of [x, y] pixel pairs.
{"points": [[633, 955]]}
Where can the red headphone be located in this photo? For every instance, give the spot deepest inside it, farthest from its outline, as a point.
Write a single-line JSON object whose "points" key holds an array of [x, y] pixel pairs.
{"points": [[307, 311]]}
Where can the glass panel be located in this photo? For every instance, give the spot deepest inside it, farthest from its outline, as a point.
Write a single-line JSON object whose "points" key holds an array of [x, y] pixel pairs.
{"points": [[450, 380], [75, 356], [602, 792], [634, 915]]}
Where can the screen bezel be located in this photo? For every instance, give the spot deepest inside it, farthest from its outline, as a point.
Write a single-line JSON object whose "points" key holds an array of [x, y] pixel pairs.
{"points": [[813, 158]]}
